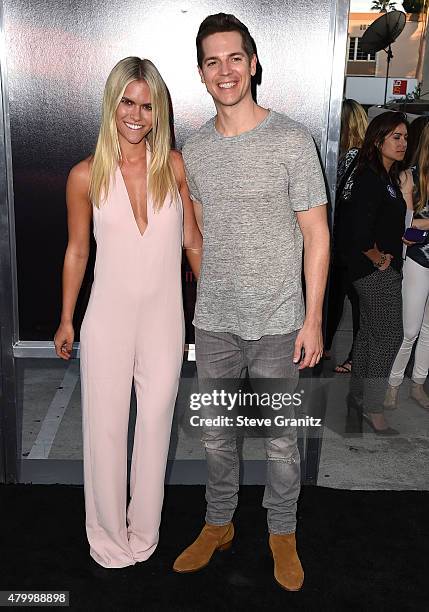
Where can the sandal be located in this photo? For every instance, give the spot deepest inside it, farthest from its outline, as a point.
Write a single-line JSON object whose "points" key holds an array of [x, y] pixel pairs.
{"points": [[344, 368]]}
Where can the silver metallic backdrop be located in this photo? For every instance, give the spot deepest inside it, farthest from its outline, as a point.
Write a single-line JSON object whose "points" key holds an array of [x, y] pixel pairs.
{"points": [[58, 57]]}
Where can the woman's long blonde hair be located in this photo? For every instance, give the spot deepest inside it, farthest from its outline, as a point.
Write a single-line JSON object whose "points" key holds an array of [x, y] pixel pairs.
{"points": [[422, 160], [354, 122], [107, 156]]}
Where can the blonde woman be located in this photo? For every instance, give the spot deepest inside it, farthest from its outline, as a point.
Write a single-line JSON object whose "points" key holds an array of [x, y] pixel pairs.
{"points": [[415, 288], [134, 190], [354, 122]]}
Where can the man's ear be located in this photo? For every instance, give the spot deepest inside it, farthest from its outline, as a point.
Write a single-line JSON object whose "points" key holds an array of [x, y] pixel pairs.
{"points": [[200, 72], [253, 64]]}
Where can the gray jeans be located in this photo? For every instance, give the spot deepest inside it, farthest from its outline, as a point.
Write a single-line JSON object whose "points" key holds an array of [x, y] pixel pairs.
{"points": [[226, 355]]}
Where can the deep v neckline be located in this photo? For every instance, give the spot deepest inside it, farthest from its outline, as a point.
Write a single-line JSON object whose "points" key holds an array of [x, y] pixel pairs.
{"points": [[130, 206]]}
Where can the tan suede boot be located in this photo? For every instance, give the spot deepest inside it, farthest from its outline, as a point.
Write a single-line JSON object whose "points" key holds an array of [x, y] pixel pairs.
{"points": [[418, 393], [288, 570], [198, 554], [391, 398]]}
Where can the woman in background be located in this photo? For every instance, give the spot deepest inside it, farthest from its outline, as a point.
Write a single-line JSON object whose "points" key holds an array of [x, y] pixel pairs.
{"points": [[415, 289], [134, 189], [377, 223], [354, 123], [415, 132]]}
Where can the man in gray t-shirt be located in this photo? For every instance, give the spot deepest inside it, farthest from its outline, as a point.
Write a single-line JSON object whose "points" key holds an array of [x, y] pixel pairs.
{"points": [[259, 197], [250, 187]]}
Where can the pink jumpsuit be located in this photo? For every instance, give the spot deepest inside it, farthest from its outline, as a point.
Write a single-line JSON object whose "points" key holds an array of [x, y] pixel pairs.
{"points": [[133, 328]]}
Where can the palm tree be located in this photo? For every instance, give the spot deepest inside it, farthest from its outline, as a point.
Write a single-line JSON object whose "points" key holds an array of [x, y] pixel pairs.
{"points": [[383, 5]]}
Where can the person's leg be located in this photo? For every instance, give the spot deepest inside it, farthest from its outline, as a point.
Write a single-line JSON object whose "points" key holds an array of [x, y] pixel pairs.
{"points": [[271, 357], [415, 289], [159, 355], [360, 346], [336, 296], [380, 295], [106, 379], [218, 356], [354, 301], [421, 357]]}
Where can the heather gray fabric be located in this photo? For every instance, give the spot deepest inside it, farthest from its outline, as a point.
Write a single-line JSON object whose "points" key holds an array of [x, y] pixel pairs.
{"points": [[250, 187], [220, 356]]}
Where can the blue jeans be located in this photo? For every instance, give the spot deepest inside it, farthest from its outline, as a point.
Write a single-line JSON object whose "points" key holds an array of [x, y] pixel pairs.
{"points": [[226, 355]]}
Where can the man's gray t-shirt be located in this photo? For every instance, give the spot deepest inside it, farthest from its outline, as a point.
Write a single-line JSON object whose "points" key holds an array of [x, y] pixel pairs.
{"points": [[250, 187]]}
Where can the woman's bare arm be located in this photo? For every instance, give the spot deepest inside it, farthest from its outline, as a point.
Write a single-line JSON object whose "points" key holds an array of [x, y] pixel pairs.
{"points": [[192, 239], [79, 212], [406, 185]]}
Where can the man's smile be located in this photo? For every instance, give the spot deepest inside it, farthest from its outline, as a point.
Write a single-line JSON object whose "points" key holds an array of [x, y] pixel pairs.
{"points": [[227, 85]]}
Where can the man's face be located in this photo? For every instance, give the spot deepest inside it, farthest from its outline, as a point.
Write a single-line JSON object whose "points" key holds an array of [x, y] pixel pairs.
{"points": [[226, 68]]}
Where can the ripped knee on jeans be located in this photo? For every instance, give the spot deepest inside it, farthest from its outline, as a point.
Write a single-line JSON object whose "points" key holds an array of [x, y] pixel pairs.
{"points": [[275, 457], [282, 450], [216, 444]]}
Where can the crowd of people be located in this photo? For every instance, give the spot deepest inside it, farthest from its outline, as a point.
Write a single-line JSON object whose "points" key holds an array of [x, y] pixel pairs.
{"points": [[381, 258]]}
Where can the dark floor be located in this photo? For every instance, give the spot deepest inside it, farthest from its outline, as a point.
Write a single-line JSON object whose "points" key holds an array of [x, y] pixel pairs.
{"points": [[361, 550]]}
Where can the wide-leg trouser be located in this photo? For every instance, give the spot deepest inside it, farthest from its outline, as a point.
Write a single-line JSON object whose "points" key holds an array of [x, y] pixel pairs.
{"points": [[152, 355]]}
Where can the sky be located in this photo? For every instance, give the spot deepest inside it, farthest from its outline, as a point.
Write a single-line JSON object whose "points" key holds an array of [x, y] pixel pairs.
{"points": [[363, 6]]}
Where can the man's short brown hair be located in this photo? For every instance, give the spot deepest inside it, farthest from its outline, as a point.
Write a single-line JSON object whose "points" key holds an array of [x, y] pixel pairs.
{"points": [[223, 22]]}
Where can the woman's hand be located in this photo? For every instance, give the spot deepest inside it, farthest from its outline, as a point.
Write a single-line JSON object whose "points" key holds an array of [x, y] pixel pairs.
{"points": [[63, 340], [378, 259], [387, 262], [422, 224]]}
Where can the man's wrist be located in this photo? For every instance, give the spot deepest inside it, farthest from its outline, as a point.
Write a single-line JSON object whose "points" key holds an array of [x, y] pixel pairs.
{"points": [[313, 320]]}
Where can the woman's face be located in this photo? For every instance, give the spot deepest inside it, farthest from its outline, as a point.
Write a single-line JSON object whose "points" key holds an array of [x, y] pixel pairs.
{"points": [[134, 113], [394, 145]]}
